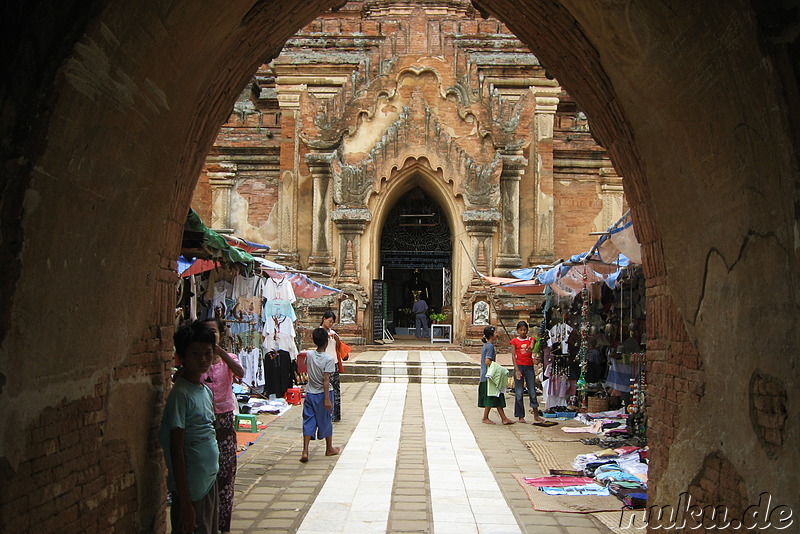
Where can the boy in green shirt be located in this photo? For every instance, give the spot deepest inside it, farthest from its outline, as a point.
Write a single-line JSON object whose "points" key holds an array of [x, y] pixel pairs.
{"points": [[188, 437]]}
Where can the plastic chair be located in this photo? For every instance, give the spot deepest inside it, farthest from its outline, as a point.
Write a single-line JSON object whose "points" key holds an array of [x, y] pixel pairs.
{"points": [[293, 396], [246, 417]]}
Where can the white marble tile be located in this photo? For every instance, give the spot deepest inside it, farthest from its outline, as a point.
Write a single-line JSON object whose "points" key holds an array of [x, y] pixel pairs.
{"points": [[448, 435], [366, 527], [453, 492], [497, 504], [495, 519], [498, 529], [447, 527], [361, 482]]}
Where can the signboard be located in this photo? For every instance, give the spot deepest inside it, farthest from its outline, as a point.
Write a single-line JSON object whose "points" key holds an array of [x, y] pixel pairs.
{"points": [[378, 308]]}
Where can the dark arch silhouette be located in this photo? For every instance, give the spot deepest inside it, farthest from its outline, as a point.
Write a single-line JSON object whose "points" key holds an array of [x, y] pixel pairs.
{"points": [[108, 109]]}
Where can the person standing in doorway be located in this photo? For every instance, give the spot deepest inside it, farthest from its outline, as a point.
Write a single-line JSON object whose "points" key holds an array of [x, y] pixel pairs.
{"points": [[328, 320], [420, 311], [486, 401], [224, 368]]}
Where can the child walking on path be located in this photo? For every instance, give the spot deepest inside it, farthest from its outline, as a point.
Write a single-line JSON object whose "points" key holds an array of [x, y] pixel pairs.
{"points": [[523, 374], [188, 438], [486, 401], [317, 417]]}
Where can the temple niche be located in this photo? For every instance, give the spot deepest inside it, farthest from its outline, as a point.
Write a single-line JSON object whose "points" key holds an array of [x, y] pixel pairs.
{"points": [[414, 142]]}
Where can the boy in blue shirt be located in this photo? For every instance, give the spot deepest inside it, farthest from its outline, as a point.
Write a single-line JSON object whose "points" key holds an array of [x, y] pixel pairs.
{"points": [[317, 416], [188, 437]]}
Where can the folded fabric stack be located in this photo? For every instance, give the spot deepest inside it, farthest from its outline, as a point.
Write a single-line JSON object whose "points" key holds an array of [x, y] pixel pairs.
{"points": [[621, 471], [567, 485]]}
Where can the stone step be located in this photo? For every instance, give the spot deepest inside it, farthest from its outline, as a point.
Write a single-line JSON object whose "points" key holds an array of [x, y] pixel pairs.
{"points": [[450, 372], [412, 368], [411, 379]]}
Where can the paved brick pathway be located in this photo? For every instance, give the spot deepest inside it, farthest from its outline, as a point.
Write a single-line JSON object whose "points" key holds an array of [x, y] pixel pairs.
{"points": [[382, 481]]}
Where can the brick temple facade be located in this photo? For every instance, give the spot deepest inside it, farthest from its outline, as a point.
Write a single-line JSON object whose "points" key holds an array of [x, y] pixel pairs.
{"points": [[383, 111]]}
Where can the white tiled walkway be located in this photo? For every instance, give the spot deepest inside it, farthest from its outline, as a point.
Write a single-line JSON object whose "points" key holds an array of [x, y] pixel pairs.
{"points": [[464, 495], [357, 495]]}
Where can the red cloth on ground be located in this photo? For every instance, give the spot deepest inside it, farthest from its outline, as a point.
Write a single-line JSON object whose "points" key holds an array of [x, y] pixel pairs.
{"points": [[558, 482]]}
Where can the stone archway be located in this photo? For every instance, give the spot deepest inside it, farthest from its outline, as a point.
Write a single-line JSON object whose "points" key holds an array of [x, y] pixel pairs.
{"points": [[417, 174], [416, 245], [108, 110]]}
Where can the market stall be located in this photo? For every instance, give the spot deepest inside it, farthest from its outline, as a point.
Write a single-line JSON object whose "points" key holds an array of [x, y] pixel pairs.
{"points": [[592, 335], [223, 277]]}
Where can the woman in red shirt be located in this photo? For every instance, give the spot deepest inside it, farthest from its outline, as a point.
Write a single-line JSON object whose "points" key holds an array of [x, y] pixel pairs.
{"points": [[523, 373]]}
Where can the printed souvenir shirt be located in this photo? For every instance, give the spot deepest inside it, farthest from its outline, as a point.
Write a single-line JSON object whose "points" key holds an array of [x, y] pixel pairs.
{"points": [[524, 350], [191, 407]]}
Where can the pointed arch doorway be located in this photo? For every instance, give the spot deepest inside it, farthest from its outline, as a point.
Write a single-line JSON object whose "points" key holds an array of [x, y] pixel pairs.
{"points": [[416, 259]]}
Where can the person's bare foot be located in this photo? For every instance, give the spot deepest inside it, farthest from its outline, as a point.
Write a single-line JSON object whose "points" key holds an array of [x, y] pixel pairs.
{"points": [[304, 458], [488, 421], [332, 452], [522, 420], [508, 422]]}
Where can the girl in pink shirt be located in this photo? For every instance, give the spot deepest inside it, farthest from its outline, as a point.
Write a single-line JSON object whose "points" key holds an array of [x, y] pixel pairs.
{"points": [[219, 378]]}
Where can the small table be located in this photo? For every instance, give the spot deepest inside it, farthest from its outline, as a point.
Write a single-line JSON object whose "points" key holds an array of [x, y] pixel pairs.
{"points": [[441, 333]]}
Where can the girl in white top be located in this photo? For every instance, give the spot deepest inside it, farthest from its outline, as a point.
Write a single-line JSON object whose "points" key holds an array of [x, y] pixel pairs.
{"points": [[328, 319]]}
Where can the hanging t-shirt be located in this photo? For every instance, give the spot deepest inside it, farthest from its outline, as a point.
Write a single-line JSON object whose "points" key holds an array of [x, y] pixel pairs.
{"points": [[523, 349], [282, 342], [253, 366], [221, 296], [278, 308], [560, 334], [273, 288], [245, 286]]}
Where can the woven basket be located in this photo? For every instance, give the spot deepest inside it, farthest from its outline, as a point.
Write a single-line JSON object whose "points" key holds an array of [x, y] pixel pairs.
{"points": [[597, 404]]}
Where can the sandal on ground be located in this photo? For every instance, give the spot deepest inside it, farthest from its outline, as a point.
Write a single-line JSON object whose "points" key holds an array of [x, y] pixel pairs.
{"points": [[544, 423]]}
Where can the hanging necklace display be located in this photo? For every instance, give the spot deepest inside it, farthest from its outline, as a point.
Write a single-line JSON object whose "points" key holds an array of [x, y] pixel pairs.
{"points": [[637, 409], [560, 364], [581, 384]]}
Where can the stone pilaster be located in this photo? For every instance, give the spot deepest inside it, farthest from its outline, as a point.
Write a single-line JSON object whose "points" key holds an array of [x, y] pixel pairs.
{"points": [[481, 226], [289, 102], [513, 167], [351, 223], [546, 92], [319, 163], [612, 195], [222, 183]]}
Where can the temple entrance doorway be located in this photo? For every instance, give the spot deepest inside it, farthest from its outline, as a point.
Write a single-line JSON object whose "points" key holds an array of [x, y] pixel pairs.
{"points": [[416, 252]]}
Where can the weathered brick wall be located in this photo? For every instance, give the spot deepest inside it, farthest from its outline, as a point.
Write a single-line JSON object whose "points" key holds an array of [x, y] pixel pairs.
{"points": [[79, 474], [71, 480], [261, 198], [575, 204], [201, 198], [86, 341], [674, 369]]}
